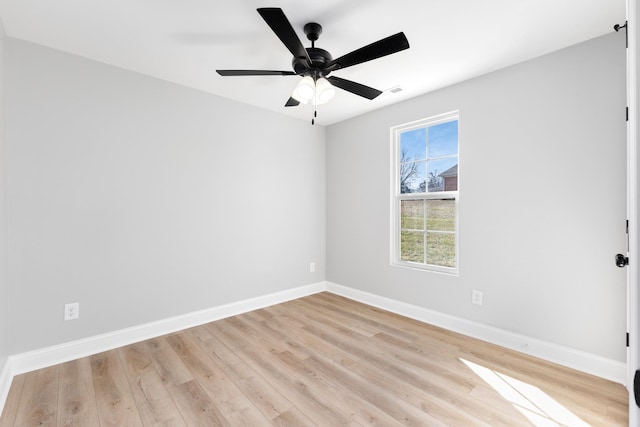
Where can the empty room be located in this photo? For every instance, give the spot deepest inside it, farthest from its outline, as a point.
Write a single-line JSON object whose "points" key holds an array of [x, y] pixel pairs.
{"points": [[329, 213]]}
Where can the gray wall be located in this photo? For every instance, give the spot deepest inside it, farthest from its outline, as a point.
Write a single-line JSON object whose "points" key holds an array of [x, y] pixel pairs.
{"points": [[542, 200], [141, 199], [4, 304]]}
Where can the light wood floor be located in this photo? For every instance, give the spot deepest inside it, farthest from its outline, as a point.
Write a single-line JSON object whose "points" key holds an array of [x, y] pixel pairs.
{"points": [[321, 360]]}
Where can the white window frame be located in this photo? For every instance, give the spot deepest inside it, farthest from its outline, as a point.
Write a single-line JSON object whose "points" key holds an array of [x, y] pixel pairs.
{"points": [[397, 197]]}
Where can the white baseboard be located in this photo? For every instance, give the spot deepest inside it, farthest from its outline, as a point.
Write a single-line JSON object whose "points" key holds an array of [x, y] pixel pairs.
{"points": [[41, 358], [48, 356], [586, 362], [5, 382]]}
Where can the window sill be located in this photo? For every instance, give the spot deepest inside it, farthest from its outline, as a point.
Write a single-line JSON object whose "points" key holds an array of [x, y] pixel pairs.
{"points": [[427, 268]]}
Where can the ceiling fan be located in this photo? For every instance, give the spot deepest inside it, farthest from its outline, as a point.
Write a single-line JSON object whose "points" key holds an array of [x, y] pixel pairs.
{"points": [[315, 64]]}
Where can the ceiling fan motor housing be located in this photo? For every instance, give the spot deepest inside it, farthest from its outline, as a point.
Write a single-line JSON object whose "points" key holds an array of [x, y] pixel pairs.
{"points": [[319, 57]]}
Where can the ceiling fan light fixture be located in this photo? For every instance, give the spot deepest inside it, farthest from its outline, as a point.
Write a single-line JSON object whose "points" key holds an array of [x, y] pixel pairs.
{"points": [[314, 63], [317, 91], [305, 90]]}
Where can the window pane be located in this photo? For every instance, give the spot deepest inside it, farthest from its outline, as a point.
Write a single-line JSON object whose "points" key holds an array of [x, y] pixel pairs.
{"points": [[441, 215], [441, 249], [412, 214], [413, 177], [443, 139], [412, 246], [413, 145], [443, 174]]}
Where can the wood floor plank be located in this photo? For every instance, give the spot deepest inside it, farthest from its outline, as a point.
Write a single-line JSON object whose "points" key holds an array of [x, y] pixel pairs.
{"points": [[293, 418], [76, 396], [39, 403], [210, 377], [263, 395], [220, 354], [224, 393], [315, 361], [12, 403], [240, 411], [381, 377], [196, 407], [413, 386], [116, 406], [430, 382], [357, 316], [295, 389], [269, 401], [358, 406], [340, 396], [154, 403], [265, 327], [544, 375], [167, 363], [312, 341], [568, 386]]}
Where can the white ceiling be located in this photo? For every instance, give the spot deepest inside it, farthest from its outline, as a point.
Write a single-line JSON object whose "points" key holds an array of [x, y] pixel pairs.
{"points": [[184, 41]]}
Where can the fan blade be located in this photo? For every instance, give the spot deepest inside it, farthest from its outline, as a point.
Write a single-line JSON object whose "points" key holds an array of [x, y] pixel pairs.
{"points": [[353, 87], [292, 103], [384, 47], [280, 25], [254, 73]]}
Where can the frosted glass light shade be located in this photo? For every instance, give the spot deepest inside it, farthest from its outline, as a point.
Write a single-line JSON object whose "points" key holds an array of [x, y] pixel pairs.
{"points": [[305, 90], [324, 90]]}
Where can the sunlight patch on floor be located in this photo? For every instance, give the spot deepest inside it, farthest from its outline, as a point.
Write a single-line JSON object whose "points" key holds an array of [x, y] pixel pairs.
{"points": [[539, 408]]}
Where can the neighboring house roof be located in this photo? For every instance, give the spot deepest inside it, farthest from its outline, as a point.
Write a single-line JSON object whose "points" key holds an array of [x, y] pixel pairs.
{"points": [[452, 171]]}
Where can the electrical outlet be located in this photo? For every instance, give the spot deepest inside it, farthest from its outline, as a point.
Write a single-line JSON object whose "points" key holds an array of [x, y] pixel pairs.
{"points": [[312, 267], [476, 297], [71, 311]]}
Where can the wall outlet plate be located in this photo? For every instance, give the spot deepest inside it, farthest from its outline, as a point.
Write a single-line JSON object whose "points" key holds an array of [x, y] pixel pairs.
{"points": [[312, 267], [476, 297], [71, 311]]}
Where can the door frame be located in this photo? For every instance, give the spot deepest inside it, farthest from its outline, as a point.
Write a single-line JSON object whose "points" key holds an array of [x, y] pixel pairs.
{"points": [[633, 359]]}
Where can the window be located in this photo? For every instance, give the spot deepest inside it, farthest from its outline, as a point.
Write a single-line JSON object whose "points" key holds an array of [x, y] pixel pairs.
{"points": [[424, 195]]}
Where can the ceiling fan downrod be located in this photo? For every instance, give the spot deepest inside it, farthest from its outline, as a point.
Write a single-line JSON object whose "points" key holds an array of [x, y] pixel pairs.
{"points": [[312, 30]]}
